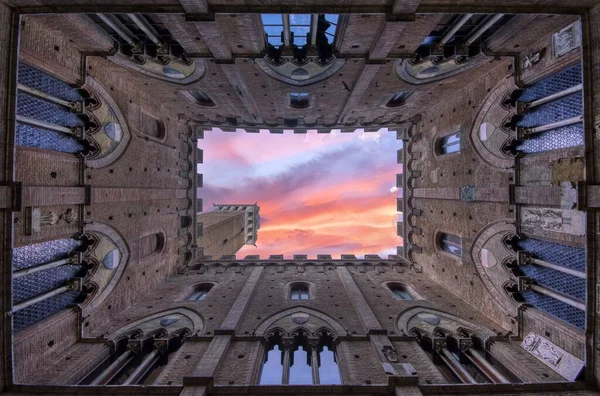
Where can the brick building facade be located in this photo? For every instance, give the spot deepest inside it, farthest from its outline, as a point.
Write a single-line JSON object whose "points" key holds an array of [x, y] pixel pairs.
{"points": [[107, 284]]}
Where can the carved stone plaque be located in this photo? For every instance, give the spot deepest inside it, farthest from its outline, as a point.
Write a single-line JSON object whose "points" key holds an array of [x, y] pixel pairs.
{"points": [[553, 356], [300, 318], [571, 222], [566, 40]]}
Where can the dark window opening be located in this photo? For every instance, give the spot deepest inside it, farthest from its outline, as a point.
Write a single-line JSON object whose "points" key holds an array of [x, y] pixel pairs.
{"points": [[399, 99], [451, 244], [200, 98], [299, 100], [299, 291], [449, 144]]}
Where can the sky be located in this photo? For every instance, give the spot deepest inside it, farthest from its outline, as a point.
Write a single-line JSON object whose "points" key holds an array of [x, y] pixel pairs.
{"points": [[318, 193]]}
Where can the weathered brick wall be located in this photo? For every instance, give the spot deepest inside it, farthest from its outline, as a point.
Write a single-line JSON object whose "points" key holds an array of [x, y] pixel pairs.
{"points": [[411, 352], [570, 339], [239, 363], [530, 369], [442, 176], [43, 344], [362, 364], [182, 362]]}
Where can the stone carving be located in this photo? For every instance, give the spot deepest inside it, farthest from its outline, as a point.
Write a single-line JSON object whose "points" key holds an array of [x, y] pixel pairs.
{"points": [[557, 220], [553, 356], [40, 218], [467, 193], [69, 216], [568, 195], [533, 59], [300, 318], [390, 353], [566, 40]]}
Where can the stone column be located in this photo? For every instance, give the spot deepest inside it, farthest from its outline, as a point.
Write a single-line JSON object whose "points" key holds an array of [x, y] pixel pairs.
{"points": [[115, 367], [314, 345], [287, 345]]}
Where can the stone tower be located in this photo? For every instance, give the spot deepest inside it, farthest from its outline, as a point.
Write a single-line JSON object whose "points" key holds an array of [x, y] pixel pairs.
{"points": [[114, 282], [227, 228]]}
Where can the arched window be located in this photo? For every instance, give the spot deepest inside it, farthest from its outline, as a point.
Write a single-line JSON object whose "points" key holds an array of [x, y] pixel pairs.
{"points": [[200, 292], [151, 126], [299, 100], [399, 99], [449, 144], [299, 291], [451, 244], [200, 98], [400, 292], [291, 361], [153, 243]]}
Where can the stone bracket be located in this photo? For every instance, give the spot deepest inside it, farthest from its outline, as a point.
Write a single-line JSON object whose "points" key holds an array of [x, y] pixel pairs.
{"points": [[523, 258], [523, 283]]}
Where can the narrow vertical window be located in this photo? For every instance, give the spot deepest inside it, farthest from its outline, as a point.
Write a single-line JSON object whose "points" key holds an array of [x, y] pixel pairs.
{"points": [[449, 144], [399, 99], [200, 98], [272, 370], [329, 371], [200, 292], [150, 244], [300, 370], [401, 293], [451, 244], [299, 292], [299, 100]]}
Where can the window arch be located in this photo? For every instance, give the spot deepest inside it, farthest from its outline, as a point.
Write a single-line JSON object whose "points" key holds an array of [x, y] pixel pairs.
{"points": [[299, 291], [200, 292], [299, 100], [399, 99], [451, 244], [449, 144], [151, 126], [151, 244], [400, 291], [200, 98]]}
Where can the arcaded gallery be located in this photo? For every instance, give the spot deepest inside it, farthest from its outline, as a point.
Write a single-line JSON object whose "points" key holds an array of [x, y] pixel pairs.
{"points": [[300, 197]]}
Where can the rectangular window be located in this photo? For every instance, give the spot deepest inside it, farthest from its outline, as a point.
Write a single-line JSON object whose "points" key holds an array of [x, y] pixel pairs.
{"points": [[299, 100], [452, 244], [273, 25], [401, 294], [300, 25], [450, 144]]}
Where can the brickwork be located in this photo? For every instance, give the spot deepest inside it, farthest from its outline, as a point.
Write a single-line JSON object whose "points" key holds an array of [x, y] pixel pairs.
{"points": [[182, 363], [531, 369], [412, 353], [223, 233], [149, 188]]}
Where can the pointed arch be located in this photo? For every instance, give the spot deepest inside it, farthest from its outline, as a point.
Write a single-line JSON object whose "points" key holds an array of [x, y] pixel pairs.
{"points": [[171, 321], [488, 252], [108, 256], [291, 319], [428, 320], [110, 134]]}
